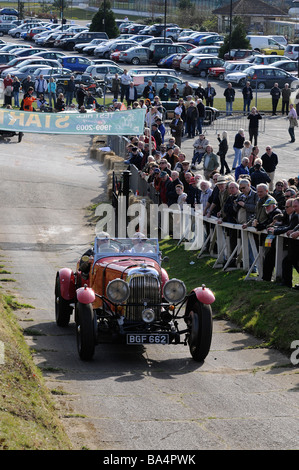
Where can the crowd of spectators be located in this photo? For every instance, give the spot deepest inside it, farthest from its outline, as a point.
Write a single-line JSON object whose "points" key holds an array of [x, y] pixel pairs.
{"points": [[248, 195]]}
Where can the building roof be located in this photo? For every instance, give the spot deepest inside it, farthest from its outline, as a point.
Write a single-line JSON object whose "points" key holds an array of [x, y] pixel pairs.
{"points": [[250, 8]]}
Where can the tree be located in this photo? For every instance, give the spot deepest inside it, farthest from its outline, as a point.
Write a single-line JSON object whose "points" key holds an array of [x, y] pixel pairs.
{"points": [[238, 38], [104, 20]]}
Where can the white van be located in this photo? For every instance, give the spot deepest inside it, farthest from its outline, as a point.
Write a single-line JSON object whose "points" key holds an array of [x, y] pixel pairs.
{"points": [[261, 42]]}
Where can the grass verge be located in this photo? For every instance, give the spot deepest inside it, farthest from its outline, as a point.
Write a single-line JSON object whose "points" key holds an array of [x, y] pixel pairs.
{"points": [[27, 413], [264, 309]]}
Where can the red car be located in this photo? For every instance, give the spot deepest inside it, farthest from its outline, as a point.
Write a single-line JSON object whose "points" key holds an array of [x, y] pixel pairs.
{"points": [[120, 291], [177, 60], [217, 72]]}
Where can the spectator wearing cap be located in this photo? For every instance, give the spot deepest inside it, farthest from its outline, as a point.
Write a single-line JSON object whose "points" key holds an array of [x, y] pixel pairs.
{"points": [[260, 215], [278, 194], [270, 162], [269, 259], [287, 222], [165, 187], [135, 158], [200, 146], [210, 162], [176, 128], [219, 198]]}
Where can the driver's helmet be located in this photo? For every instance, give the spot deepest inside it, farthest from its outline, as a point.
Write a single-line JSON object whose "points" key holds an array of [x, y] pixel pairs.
{"points": [[103, 239]]}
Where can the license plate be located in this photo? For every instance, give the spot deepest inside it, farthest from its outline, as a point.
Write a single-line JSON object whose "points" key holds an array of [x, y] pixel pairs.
{"points": [[147, 338]]}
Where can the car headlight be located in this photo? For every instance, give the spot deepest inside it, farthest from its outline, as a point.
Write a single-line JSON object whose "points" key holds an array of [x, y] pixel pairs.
{"points": [[174, 291], [148, 315], [118, 291]]}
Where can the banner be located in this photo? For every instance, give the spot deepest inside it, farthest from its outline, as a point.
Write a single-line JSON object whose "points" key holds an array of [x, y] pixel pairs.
{"points": [[128, 122]]}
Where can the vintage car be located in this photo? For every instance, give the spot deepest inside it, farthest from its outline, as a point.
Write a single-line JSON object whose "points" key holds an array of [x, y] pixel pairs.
{"points": [[11, 134], [120, 289]]}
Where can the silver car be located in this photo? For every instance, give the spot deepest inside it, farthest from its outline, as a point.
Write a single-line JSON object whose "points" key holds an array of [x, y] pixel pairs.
{"points": [[135, 55], [158, 80]]}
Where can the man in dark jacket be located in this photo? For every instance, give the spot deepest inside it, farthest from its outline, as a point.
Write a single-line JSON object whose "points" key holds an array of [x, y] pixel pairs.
{"points": [[81, 93], [70, 91], [269, 258], [176, 128], [270, 162], [229, 94], [247, 97], [191, 119], [275, 93], [201, 115], [210, 92], [254, 117], [157, 135], [131, 94]]}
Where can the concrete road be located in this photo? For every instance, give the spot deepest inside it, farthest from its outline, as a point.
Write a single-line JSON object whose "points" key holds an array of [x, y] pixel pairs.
{"points": [[128, 398]]}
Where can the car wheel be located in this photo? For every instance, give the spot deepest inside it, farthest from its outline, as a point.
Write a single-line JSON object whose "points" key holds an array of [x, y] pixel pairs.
{"points": [[70, 46], [63, 310], [261, 86], [17, 35], [202, 73], [221, 76], [135, 61], [59, 89], [85, 331], [201, 331]]}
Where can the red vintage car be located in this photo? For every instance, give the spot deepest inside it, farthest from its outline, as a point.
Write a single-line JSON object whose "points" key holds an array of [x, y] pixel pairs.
{"points": [[119, 289]]}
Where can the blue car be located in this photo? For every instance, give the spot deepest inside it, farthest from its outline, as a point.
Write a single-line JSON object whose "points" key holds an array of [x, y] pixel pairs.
{"points": [[167, 61], [75, 63]]}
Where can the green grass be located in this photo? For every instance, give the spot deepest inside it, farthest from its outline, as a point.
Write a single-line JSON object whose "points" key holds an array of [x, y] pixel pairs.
{"points": [[27, 413], [264, 309]]}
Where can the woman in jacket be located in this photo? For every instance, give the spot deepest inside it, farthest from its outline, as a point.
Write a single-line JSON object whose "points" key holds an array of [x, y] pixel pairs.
{"points": [[52, 92], [8, 89], [223, 148], [16, 90]]}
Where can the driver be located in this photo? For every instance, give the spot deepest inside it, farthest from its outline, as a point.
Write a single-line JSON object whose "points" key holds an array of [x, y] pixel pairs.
{"points": [[104, 243]]}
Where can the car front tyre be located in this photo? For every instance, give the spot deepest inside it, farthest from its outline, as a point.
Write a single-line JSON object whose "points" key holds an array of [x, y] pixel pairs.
{"points": [[135, 61], [63, 310], [201, 331], [85, 331]]}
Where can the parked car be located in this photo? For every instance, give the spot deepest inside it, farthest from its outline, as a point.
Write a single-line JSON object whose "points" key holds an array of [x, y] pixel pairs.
{"points": [[13, 47], [290, 66], [159, 79], [34, 61], [264, 76], [195, 37], [135, 28], [176, 61], [105, 72], [75, 63], [5, 28], [231, 67], [260, 59], [6, 57], [292, 51], [85, 36], [157, 29], [169, 106], [88, 48], [104, 50], [50, 55], [150, 42], [48, 72], [201, 65], [135, 55], [161, 50], [186, 61], [209, 50], [151, 70], [131, 300], [239, 54], [139, 37], [28, 52], [61, 37], [33, 31], [280, 39], [167, 61], [271, 50], [16, 32], [23, 72], [210, 39], [259, 42], [172, 32]]}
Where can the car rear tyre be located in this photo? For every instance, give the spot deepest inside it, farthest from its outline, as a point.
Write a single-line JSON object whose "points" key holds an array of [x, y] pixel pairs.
{"points": [[261, 86], [59, 89], [135, 61], [201, 331], [202, 73], [85, 331], [63, 310], [221, 76]]}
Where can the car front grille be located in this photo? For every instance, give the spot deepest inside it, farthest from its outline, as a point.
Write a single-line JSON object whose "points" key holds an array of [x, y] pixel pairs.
{"points": [[143, 289]]}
